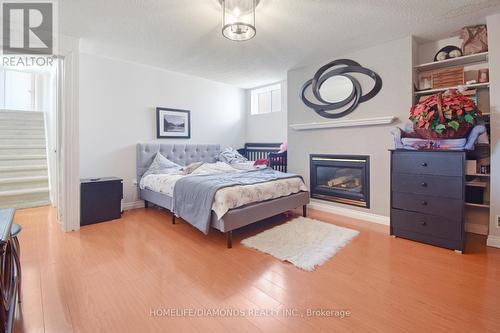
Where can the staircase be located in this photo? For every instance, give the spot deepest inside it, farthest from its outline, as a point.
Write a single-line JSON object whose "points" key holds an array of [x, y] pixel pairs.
{"points": [[23, 160]]}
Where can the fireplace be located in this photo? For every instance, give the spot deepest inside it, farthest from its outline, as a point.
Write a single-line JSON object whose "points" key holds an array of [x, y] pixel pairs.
{"points": [[341, 178]]}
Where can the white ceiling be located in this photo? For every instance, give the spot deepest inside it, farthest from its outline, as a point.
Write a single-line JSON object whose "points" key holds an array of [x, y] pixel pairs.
{"points": [[185, 35]]}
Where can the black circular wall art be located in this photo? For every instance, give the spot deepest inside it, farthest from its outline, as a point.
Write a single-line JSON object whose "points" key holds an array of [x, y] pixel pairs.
{"points": [[342, 68]]}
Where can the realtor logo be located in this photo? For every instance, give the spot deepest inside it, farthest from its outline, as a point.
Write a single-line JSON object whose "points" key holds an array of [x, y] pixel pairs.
{"points": [[27, 28]]}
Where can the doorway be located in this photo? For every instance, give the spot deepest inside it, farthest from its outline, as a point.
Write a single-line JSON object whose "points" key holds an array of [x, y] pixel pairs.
{"points": [[29, 106]]}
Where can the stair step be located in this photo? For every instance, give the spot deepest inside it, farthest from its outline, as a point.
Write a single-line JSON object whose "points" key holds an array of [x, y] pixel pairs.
{"points": [[19, 183], [4, 119], [12, 116], [22, 127], [17, 113], [22, 136], [23, 167], [22, 142], [22, 131], [25, 198], [9, 160], [24, 192], [23, 171], [22, 179], [22, 157], [28, 120], [22, 149], [21, 123], [26, 114], [25, 204], [7, 117]]}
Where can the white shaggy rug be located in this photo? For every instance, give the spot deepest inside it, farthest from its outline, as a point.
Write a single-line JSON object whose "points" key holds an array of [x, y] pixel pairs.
{"points": [[304, 242]]}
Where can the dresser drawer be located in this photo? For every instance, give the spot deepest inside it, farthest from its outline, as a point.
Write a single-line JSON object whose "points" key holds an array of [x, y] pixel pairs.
{"points": [[445, 207], [426, 224], [428, 163], [438, 186]]}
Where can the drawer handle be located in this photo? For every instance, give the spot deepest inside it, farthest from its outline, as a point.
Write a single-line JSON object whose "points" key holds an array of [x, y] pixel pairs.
{"points": [[424, 164], [423, 223], [424, 184], [424, 203]]}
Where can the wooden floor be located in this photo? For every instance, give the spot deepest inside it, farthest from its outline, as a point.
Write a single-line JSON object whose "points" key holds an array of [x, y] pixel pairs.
{"points": [[109, 277]]}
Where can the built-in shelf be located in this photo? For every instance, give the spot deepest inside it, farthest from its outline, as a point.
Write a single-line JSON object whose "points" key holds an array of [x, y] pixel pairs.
{"points": [[468, 86], [479, 174], [476, 184], [345, 123], [470, 204], [460, 61]]}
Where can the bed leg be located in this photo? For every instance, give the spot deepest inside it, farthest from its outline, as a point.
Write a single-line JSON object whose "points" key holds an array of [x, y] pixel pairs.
{"points": [[173, 218], [304, 210], [146, 204], [229, 239]]}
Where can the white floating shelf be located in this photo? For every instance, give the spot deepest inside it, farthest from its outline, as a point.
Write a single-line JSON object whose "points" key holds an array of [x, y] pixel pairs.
{"points": [[345, 123], [468, 86], [460, 61]]}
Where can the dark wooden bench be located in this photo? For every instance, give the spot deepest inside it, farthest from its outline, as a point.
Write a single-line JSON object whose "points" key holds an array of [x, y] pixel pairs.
{"points": [[266, 151]]}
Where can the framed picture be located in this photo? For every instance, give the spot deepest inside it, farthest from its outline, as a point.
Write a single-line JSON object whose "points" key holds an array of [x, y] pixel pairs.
{"points": [[173, 123]]}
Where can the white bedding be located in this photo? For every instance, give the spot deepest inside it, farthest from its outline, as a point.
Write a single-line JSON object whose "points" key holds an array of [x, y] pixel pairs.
{"points": [[229, 197]]}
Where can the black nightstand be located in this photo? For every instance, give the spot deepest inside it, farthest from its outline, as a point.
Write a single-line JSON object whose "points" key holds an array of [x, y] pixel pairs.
{"points": [[100, 199]]}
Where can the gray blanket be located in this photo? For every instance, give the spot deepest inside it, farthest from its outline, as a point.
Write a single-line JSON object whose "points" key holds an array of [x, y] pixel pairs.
{"points": [[194, 195]]}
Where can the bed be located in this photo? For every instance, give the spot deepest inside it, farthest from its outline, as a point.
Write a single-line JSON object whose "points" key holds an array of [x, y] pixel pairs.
{"points": [[185, 154]]}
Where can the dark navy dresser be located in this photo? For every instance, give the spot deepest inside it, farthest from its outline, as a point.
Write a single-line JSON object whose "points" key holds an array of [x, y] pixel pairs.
{"points": [[428, 197]]}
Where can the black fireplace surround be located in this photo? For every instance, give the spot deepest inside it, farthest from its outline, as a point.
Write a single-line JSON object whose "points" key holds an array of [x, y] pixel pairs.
{"points": [[341, 178]]}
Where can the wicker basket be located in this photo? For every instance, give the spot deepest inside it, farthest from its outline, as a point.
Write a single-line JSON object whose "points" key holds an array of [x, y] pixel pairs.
{"points": [[449, 133], [449, 77]]}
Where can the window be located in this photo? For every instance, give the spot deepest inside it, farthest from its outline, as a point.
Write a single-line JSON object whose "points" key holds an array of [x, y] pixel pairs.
{"points": [[17, 90], [266, 99]]}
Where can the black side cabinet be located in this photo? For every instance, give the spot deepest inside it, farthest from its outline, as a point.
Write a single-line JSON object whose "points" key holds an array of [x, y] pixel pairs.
{"points": [[427, 197], [100, 199]]}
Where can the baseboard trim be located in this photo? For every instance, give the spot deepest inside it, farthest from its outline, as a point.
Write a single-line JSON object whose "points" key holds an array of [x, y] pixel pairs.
{"points": [[480, 229], [132, 205], [493, 241], [356, 214]]}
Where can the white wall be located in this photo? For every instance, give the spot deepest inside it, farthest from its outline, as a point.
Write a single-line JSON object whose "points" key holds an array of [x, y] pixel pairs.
{"points": [[268, 127], [393, 62], [117, 111], [494, 62]]}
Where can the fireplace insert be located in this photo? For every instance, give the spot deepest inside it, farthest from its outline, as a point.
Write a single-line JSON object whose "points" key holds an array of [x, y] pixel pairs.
{"points": [[341, 178]]}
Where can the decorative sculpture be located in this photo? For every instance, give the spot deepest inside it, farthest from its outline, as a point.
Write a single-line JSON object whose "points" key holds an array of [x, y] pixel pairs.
{"points": [[353, 94]]}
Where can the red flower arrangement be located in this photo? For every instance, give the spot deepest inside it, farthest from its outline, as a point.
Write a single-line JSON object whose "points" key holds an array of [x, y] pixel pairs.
{"points": [[445, 116]]}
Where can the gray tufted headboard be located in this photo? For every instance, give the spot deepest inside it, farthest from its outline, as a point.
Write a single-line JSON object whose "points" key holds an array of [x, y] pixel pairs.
{"points": [[182, 154]]}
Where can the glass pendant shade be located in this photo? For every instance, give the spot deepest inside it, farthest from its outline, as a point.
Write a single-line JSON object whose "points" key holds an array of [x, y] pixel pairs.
{"points": [[238, 21]]}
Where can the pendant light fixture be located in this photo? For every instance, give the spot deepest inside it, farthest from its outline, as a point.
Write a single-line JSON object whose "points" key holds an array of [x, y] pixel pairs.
{"points": [[238, 19]]}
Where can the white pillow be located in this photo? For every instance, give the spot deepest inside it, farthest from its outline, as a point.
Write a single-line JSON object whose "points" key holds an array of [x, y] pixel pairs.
{"points": [[191, 167], [231, 155], [213, 168], [162, 165]]}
